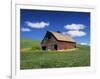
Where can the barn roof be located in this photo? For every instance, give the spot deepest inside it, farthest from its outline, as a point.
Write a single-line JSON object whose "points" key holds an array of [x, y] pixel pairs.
{"points": [[62, 37]]}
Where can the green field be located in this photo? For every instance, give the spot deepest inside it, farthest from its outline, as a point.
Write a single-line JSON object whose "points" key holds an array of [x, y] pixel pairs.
{"points": [[32, 57]]}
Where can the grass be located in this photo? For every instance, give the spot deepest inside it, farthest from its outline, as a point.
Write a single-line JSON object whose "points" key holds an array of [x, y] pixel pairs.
{"points": [[29, 43], [35, 59]]}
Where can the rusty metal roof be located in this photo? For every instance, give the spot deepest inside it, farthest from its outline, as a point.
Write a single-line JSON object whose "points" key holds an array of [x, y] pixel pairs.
{"points": [[62, 37]]}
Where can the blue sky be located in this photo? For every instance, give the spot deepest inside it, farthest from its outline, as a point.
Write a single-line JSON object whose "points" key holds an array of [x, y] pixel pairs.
{"points": [[35, 23]]}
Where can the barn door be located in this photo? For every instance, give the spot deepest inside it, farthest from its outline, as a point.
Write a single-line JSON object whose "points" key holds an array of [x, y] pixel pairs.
{"points": [[43, 47], [55, 46]]}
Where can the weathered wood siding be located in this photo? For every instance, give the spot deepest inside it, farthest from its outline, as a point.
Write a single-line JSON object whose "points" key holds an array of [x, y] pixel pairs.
{"points": [[65, 45], [49, 43]]}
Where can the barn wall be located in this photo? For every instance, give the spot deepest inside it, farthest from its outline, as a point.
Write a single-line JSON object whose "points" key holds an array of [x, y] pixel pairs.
{"points": [[65, 45], [49, 43]]}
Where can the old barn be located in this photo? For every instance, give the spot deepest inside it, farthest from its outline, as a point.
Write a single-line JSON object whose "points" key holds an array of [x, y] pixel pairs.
{"points": [[57, 41]]}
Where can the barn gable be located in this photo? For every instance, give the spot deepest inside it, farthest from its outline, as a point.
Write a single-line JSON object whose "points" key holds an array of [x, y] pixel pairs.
{"points": [[49, 40], [48, 36]]}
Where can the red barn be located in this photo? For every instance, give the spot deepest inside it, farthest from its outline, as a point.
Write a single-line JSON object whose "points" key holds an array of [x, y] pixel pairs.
{"points": [[57, 41]]}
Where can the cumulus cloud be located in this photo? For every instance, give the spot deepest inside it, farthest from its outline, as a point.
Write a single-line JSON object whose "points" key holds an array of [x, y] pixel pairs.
{"points": [[83, 43], [37, 25], [75, 30], [76, 33], [74, 26], [25, 30]]}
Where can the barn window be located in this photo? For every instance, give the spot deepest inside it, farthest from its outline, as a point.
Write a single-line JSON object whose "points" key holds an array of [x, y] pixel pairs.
{"points": [[49, 37]]}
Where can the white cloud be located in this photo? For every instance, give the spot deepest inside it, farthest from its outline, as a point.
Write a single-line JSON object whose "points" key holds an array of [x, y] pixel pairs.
{"points": [[25, 30], [75, 30], [74, 26], [76, 33], [83, 43], [37, 25]]}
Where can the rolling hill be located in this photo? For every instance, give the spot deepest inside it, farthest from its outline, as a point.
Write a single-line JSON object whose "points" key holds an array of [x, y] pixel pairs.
{"points": [[35, 58]]}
